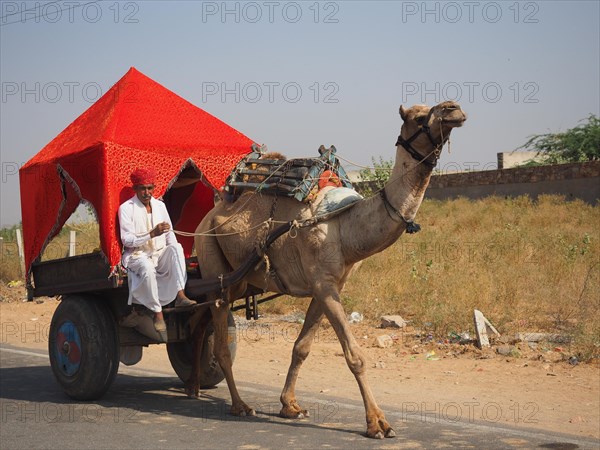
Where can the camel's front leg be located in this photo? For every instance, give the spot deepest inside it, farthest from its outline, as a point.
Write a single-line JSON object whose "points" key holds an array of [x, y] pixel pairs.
{"points": [[377, 425], [291, 409], [221, 350], [192, 385]]}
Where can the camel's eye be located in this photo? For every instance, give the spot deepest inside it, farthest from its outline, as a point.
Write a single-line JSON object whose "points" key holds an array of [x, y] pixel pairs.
{"points": [[420, 120]]}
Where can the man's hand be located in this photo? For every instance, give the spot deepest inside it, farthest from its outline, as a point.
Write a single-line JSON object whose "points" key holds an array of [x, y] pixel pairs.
{"points": [[160, 229]]}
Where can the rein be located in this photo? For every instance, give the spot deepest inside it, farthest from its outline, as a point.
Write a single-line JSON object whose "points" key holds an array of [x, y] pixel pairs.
{"points": [[411, 226]]}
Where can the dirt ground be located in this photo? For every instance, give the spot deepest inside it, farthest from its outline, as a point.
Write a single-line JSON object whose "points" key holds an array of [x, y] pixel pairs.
{"points": [[531, 388]]}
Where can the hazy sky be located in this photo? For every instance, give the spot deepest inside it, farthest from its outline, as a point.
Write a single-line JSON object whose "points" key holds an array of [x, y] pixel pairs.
{"points": [[295, 75]]}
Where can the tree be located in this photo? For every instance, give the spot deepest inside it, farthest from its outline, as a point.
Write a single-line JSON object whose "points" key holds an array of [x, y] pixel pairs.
{"points": [[578, 144], [375, 177], [379, 174]]}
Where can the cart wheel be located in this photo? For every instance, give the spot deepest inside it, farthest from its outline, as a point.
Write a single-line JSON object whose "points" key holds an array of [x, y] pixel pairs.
{"points": [[180, 355], [84, 347]]}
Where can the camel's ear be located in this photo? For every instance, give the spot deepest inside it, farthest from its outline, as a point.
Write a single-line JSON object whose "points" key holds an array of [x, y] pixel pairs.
{"points": [[402, 112]]}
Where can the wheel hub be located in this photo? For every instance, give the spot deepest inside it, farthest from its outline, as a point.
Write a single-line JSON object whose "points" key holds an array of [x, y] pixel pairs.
{"points": [[68, 348]]}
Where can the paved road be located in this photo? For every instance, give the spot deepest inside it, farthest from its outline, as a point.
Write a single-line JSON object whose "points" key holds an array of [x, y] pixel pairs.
{"points": [[148, 410]]}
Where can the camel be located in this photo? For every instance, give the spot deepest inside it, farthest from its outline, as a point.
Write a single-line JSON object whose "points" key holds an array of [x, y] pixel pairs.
{"points": [[314, 261]]}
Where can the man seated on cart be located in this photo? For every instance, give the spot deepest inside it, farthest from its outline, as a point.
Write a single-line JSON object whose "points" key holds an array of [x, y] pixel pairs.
{"points": [[152, 256]]}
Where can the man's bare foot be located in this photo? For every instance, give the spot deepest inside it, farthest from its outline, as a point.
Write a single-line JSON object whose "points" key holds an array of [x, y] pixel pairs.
{"points": [[159, 322], [182, 301], [160, 325]]}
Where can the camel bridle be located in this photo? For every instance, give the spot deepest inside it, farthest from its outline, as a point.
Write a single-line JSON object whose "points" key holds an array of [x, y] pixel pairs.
{"points": [[395, 214], [437, 147]]}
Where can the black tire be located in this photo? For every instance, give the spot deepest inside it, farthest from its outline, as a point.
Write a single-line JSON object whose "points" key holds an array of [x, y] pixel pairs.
{"points": [[84, 347], [180, 355]]}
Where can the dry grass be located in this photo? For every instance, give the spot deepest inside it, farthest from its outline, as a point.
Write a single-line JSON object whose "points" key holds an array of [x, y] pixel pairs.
{"points": [[9, 255], [9, 270], [528, 266], [87, 241]]}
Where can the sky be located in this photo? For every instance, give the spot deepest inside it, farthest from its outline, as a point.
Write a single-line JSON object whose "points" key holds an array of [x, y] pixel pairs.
{"points": [[295, 75]]}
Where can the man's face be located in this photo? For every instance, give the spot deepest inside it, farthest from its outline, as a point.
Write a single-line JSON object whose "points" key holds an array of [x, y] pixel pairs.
{"points": [[144, 192]]}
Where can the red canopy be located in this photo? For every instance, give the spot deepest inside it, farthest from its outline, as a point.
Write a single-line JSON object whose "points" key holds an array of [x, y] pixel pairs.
{"points": [[137, 123]]}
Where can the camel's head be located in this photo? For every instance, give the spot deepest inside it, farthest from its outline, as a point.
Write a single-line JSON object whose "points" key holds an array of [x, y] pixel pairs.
{"points": [[426, 130]]}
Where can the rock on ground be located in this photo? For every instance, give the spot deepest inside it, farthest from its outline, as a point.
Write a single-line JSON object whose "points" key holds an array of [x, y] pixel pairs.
{"points": [[392, 322]]}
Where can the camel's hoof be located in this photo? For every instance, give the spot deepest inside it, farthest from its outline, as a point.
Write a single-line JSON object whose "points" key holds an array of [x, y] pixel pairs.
{"points": [[290, 412], [379, 432], [192, 392], [243, 411], [378, 435], [378, 427]]}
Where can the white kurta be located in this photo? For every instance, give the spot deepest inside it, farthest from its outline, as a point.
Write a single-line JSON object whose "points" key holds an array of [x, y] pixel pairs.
{"points": [[155, 267]]}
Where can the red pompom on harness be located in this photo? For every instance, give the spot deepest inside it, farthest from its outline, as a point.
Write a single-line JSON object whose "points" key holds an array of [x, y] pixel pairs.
{"points": [[329, 178]]}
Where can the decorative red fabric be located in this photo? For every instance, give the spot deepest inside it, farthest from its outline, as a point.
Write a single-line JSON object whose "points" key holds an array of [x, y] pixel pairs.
{"points": [[142, 176], [329, 178], [137, 123]]}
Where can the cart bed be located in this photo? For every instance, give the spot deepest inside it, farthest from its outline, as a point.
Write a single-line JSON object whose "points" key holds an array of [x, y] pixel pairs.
{"points": [[74, 274]]}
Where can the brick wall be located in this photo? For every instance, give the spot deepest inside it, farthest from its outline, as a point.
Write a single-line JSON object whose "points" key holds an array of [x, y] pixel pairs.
{"points": [[576, 180]]}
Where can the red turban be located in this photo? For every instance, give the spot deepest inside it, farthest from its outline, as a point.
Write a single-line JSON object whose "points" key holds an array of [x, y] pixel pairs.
{"points": [[143, 176]]}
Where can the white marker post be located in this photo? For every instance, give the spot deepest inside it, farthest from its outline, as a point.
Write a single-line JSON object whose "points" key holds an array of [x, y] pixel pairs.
{"points": [[72, 243], [482, 328], [21, 252]]}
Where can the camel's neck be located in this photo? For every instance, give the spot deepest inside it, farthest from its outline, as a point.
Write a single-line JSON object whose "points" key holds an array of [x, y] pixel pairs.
{"points": [[368, 228], [406, 186]]}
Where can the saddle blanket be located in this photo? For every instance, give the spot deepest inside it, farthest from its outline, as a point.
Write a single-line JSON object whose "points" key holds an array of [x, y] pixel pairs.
{"points": [[330, 199]]}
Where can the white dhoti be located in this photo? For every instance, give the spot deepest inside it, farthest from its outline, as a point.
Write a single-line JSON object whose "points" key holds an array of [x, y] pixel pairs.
{"points": [[154, 282], [155, 266]]}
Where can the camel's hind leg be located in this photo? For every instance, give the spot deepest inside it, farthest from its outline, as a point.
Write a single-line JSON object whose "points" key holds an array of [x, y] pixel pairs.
{"points": [[291, 409], [377, 425]]}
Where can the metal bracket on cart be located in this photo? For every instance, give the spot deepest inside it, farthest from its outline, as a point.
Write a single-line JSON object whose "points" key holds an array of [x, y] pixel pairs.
{"points": [[251, 305]]}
